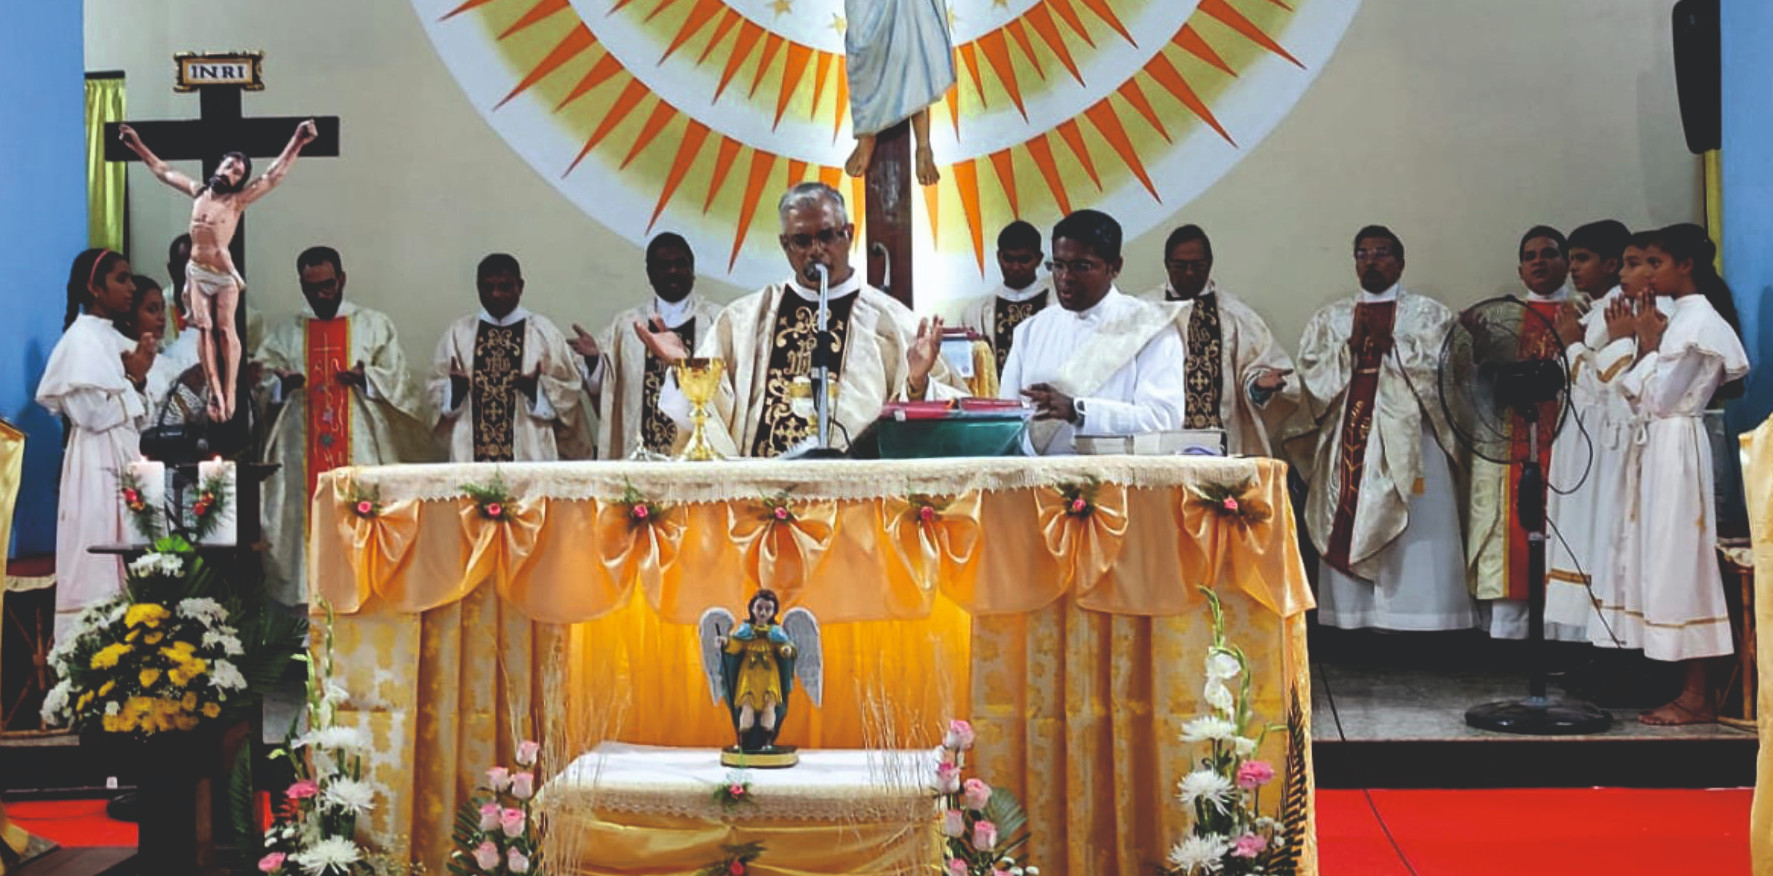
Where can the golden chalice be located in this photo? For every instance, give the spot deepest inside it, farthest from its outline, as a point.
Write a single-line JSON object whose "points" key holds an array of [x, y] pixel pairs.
{"points": [[700, 380]]}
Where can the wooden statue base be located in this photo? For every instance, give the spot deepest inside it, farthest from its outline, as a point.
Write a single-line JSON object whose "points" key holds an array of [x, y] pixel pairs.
{"points": [[783, 757]]}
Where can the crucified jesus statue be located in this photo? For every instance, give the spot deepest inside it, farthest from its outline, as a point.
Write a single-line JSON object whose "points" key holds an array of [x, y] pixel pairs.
{"points": [[900, 60], [212, 283]]}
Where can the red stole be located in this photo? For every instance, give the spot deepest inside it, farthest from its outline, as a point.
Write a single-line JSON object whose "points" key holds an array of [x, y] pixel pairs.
{"points": [[1369, 343], [1539, 341], [327, 351]]}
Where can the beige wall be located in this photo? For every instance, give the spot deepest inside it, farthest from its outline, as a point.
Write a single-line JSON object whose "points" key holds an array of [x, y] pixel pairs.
{"points": [[1459, 123]]}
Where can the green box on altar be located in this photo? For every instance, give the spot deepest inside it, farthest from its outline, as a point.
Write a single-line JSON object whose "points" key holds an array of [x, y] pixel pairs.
{"points": [[954, 435]]}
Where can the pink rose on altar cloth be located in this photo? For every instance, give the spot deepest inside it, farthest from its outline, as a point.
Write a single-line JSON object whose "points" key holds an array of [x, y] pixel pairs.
{"points": [[1231, 505], [984, 836], [495, 510], [1249, 845], [512, 820], [527, 751], [781, 512], [976, 795], [1078, 506], [736, 868], [1254, 774], [735, 791], [926, 514], [954, 823], [498, 779], [957, 867], [516, 861], [302, 790], [947, 778], [523, 786], [486, 855], [365, 508], [641, 512], [271, 863], [959, 737], [489, 816]]}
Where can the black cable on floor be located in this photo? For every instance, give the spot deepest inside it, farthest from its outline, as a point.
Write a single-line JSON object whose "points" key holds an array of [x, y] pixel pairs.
{"points": [[1366, 793]]}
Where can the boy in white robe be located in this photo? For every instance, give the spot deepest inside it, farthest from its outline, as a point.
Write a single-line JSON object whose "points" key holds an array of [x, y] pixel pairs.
{"points": [[1023, 293]]}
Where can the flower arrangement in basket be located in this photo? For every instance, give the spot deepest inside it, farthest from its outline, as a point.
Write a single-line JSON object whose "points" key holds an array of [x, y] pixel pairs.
{"points": [[496, 831], [161, 656], [981, 825], [1231, 836], [315, 833]]}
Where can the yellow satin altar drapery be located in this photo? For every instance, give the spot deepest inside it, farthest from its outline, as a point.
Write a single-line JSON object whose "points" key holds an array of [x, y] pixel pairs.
{"points": [[1757, 479], [1073, 640], [13, 839], [107, 182]]}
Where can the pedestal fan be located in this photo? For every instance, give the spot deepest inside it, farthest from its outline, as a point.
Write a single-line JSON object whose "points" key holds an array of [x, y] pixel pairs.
{"points": [[1502, 368]]}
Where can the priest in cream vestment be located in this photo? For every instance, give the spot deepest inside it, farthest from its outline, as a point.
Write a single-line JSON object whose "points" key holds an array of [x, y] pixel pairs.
{"points": [[348, 398], [1101, 363], [1238, 378], [766, 339], [622, 378], [1382, 509]]}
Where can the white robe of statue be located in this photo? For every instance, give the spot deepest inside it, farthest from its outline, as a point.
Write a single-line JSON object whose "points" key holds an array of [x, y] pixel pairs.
{"points": [[899, 58]]}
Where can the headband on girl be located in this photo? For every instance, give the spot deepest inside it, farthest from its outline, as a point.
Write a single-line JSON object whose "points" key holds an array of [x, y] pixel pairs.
{"points": [[93, 274]]}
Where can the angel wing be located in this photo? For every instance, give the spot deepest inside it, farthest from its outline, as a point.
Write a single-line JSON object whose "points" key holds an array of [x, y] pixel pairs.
{"points": [[715, 623], [809, 660]]}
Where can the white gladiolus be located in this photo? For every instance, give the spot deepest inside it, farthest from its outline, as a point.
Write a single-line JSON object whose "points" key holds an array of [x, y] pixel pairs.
{"points": [[336, 739], [1219, 696], [1222, 665]]}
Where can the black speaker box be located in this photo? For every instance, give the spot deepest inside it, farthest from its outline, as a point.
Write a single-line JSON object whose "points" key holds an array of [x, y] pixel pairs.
{"points": [[1699, 73]]}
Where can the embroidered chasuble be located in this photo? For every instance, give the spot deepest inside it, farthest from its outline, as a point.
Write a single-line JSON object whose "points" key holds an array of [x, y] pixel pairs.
{"points": [[657, 431], [498, 356], [1006, 315], [1538, 341], [1205, 364], [1370, 342], [791, 356], [327, 349]]}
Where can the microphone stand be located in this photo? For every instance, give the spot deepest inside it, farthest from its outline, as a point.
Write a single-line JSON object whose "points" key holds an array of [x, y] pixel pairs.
{"points": [[821, 372]]}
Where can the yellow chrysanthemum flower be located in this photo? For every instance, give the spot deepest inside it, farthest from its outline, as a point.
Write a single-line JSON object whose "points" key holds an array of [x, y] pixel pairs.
{"points": [[210, 710], [184, 647], [153, 638], [106, 688], [109, 655], [148, 677], [189, 702], [133, 635], [80, 704], [145, 613], [109, 722], [186, 722]]}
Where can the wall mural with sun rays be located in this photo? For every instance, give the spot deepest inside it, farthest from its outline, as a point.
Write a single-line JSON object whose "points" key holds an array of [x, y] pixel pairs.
{"points": [[693, 115]]}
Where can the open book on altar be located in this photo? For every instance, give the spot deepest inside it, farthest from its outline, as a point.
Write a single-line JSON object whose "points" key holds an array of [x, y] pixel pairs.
{"points": [[1186, 442]]}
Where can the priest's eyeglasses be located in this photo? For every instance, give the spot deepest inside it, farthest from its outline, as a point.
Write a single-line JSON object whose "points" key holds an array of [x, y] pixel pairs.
{"points": [[1376, 253], [828, 237], [1074, 266]]}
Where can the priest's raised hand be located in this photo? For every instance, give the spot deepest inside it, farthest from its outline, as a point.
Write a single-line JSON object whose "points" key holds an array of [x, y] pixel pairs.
{"points": [[665, 343]]}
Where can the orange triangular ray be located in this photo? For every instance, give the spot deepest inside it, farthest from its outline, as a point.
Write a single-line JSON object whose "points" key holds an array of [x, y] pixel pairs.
{"points": [[1068, 131], [471, 4], [1236, 21], [858, 210], [1048, 29], [625, 104], [536, 14], [1066, 11], [952, 98], [1167, 76], [969, 59], [770, 47], [1020, 35], [932, 204], [843, 99], [687, 149], [1004, 162], [1042, 153], [728, 20], [831, 176], [1135, 97], [966, 180], [1106, 13], [798, 57], [723, 164], [698, 17], [1195, 44], [820, 70], [761, 164], [575, 42], [663, 5], [997, 51], [747, 39], [796, 172], [1107, 121], [661, 116]]}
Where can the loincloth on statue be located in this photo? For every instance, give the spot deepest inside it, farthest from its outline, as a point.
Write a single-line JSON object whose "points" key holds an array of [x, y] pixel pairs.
{"points": [[207, 284]]}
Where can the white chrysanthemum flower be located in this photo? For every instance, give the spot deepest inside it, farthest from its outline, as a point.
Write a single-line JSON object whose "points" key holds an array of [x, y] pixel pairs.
{"points": [[1219, 696], [55, 703], [207, 611], [229, 644], [1204, 854], [334, 854], [226, 676], [1222, 665], [335, 739], [1244, 746], [113, 707], [1208, 729], [1205, 785], [351, 795]]}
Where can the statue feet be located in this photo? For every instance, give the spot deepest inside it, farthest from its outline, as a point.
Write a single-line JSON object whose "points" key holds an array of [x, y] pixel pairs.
{"points": [[860, 158], [927, 175]]}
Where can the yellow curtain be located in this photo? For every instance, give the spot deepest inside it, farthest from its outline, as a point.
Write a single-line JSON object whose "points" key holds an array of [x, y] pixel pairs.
{"points": [[13, 839], [106, 181], [1757, 477]]}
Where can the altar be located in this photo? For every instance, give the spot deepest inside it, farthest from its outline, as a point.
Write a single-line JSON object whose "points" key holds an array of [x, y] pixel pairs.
{"points": [[1053, 602]]}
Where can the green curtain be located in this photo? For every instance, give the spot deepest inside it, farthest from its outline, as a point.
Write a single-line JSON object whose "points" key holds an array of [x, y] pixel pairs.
{"points": [[107, 182]]}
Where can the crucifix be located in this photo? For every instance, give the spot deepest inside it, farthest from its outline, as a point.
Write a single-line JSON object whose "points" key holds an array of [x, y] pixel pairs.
{"points": [[225, 142]]}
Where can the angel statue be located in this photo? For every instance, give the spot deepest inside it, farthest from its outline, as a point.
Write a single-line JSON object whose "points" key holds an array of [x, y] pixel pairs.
{"points": [[752, 669]]}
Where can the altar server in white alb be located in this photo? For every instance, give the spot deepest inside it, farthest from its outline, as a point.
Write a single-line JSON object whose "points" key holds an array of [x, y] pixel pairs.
{"points": [[1101, 363], [504, 381], [1673, 605], [1382, 509], [95, 378], [1238, 377], [345, 396], [1024, 292]]}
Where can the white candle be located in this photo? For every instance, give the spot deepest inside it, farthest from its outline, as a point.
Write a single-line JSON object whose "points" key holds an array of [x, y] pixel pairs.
{"points": [[150, 480], [223, 533]]}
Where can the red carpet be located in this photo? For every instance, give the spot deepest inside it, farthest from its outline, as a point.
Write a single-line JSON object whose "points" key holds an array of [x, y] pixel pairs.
{"points": [[71, 822], [1532, 832]]}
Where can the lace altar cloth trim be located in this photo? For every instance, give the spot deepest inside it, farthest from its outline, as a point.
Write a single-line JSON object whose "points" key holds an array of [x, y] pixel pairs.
{"points": [[828, 785], [840, 480]]}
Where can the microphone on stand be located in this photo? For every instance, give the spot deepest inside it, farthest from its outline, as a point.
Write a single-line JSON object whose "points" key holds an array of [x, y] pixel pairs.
{"points": [[821, 365]]}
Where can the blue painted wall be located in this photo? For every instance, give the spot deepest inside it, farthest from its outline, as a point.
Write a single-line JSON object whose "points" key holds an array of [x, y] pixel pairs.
{"points": [[1748, 192], [43, 224]]}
